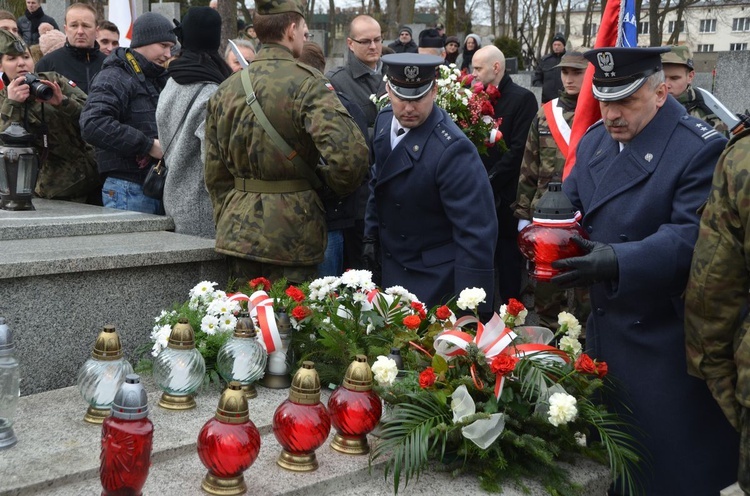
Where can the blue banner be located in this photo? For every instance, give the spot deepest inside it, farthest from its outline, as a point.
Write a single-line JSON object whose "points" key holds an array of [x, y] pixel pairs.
{"points": [[628, 35]]}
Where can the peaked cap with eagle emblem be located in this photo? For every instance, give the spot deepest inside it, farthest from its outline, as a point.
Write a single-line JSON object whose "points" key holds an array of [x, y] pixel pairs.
{"points": [[620, 72], [411, 75]]}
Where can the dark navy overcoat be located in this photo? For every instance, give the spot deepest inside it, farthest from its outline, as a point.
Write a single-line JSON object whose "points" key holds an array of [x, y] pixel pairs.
{"points": [[643, 201], [432, 208]]}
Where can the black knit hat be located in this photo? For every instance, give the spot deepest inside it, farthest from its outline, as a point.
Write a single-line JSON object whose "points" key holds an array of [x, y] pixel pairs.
{"points": [[558, 37], [150, 28], [200, 29]]}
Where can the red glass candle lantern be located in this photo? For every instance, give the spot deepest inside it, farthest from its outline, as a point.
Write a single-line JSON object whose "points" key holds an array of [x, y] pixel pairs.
{"points": [[550, 236], [355, 409], [228, 444], [127, 438], [301, 423]]}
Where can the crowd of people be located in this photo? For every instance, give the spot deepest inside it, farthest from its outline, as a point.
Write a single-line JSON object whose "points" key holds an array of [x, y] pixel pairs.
{"points": [[297, 174]]}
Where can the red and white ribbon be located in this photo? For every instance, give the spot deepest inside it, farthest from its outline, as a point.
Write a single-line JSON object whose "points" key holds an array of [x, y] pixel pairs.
{"points": [[492, 339], [260, 306]]}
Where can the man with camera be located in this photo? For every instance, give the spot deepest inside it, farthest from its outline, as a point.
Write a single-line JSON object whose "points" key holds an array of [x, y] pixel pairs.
{"points": [[47, 106]]}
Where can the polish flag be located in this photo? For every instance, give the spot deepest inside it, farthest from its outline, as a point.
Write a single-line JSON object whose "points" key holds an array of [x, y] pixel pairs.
{"points": [[122, 13], [618, 28]]}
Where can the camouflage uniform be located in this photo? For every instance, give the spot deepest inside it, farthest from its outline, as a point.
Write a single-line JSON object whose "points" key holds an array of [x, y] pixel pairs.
{"points": [[543, 163], [69, 172], [716, 319], [285, 229]]}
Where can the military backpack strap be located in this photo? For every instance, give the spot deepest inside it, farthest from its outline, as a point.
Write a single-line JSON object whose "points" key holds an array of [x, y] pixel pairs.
{"points": [[291, 154]]}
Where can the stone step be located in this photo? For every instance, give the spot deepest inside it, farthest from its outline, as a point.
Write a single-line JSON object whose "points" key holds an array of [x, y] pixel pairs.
{"points": [[53, 218], [58, 455]]}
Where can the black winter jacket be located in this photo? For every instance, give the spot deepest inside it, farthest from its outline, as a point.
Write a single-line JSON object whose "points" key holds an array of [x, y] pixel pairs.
{"points": [[399, 47], [24, 27], [547, 75], [119, 117], [78, 64]]}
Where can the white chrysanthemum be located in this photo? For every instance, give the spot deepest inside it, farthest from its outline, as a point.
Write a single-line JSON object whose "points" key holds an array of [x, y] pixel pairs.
{"points": [[562, 409], [210, 324], [160, 336], [227, 322], [405, 297], [202, 288], [222, 306], [356, 278], [359, 297], [573, 326], [470, 298], [570, 345], [195, 303], [384, 370]]}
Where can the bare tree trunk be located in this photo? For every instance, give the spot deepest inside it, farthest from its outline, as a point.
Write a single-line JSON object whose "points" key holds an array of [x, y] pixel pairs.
{"points": [[376, 9], [502, 16], [450, 17], [228, 11], [552, 20], [406, 12], [567, 19], [331, 25]]}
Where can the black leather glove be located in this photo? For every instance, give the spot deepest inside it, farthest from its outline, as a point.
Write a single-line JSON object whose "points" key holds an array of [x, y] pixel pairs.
{"points": [[598, 265], [371, 257]]}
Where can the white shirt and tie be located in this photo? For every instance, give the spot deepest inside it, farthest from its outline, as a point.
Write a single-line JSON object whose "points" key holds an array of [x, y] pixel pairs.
{"points": [[397, 133]]}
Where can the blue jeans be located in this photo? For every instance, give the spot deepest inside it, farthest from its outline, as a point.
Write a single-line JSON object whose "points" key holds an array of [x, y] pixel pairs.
{"points": [[333, 264], [127, 195]]}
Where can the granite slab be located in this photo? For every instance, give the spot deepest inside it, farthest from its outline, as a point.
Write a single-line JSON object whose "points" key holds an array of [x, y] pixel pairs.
{"points": [[53, 218]]}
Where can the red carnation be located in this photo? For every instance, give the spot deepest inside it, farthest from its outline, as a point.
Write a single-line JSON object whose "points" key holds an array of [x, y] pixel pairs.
{"points": [[300, 312], [419, 307], [492, 92], [503, 364], [487, 108], [295, 293], [443, 312], [412, 322], [260, 281], [585, 364], [515, 307], [427, 378], [601, 369]]}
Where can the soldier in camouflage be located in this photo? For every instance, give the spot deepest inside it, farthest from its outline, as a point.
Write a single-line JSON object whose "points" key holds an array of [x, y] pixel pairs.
{"points": [[543, 161], [679, 72], [716, 318], [68, 169], [269, 220]]}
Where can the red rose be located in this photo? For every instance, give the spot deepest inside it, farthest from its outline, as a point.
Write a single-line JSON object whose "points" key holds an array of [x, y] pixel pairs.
{"points": [[427, 378], [601, 369], [492, 92], [477, 87], [515, 307], [412, 322], [260, 281], [443, 312], [419, 307], [295, 293], [503, 364], [300, 312], [487, 108], [585, 364]]}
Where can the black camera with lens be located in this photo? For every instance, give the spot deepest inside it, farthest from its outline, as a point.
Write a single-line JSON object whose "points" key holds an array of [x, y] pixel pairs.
{"points": [[37, 88]]}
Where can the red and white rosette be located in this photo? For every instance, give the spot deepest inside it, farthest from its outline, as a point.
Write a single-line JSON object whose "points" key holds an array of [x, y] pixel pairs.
{"points": [[493, 339], [260, 306]]}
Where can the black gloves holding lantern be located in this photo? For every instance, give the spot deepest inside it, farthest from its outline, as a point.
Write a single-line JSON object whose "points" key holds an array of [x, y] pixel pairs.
{"points": [[598, 265]]}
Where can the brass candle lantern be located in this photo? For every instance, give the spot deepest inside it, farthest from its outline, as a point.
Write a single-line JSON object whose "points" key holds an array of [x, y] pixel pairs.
{"points": [[179, 368], [242, 358], [102, 374]]}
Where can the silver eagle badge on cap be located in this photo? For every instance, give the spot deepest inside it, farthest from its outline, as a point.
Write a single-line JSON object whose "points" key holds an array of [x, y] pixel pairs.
{"points": [[606, 62], [411, 72]]}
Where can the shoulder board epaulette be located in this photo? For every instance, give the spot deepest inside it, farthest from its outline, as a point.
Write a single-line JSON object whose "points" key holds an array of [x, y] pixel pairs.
{"points": [[700, 128], [311, 70], [445, 134], [595, 125]]}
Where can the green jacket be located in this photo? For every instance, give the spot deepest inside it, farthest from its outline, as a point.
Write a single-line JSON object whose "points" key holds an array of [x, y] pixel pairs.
{"points": [[278, 228], [70, 169], [716, 319], [694, 104], [543, 161]]}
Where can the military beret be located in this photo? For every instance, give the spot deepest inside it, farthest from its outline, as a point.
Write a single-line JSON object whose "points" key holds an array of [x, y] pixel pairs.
{"points": [[411, 75], [620, 72], [270, 7], [10, 45], [574, 59], [678, 55]]}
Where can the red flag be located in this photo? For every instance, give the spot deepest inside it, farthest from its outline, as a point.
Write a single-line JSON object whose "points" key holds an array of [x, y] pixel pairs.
{"points": [[587, 109]]}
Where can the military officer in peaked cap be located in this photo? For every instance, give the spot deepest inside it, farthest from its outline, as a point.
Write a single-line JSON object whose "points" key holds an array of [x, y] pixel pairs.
{"points": [[641, 174], [269, 218], [430, 218]]}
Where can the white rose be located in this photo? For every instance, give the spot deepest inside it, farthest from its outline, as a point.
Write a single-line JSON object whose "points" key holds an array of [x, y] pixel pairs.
{"points": [[562, 409], [384, 370]]}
